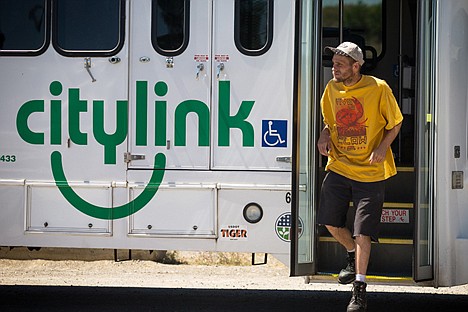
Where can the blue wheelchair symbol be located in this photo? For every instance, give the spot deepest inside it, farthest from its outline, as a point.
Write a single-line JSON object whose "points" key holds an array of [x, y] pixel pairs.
{"points": [[275, 133]]}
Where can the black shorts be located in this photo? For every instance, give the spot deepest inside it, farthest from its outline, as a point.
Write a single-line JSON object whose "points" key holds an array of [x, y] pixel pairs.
{"points": [[367, 198]]}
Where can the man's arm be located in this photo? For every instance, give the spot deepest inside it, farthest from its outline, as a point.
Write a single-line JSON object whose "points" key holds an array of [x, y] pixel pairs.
{"points": [[378, 155]]}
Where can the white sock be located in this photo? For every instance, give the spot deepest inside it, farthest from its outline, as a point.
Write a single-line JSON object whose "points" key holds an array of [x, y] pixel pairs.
{"points": [[354, 250], [361, 278]]}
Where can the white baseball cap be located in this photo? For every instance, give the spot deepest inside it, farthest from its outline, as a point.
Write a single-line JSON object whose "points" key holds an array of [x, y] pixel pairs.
{"points": [[349, 49]]}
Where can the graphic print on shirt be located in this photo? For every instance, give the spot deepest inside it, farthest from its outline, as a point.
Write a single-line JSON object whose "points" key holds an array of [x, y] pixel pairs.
{"points": [[351, 124]]}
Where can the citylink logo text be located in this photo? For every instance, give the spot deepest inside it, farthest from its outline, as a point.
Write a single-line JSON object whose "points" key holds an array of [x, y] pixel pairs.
{"points": [[78, 106]]}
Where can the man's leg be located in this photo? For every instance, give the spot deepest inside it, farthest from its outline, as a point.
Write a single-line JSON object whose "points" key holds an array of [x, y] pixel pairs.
{"points": [[358, 301], [363, 248], [343, 236], [361, 243], [334, 205], [368, 199]]}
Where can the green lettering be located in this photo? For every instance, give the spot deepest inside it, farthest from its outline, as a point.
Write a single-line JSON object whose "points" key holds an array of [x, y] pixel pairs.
{"points": [[55, 114], [226, 121], [55, 122], [160, 123], [33, 106], [110, 141], [75, 107], [141, 120], [180, 127], [160, 117]]}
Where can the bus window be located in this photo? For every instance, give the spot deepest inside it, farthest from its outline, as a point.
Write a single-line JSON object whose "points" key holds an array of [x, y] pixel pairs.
{"points": [[253, 26], [88, 27], [170, 26], [361, 23], [23, 27]]}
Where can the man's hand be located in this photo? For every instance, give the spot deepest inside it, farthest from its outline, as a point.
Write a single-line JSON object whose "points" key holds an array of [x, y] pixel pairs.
{"points": [[323, 143], [378, 155]]}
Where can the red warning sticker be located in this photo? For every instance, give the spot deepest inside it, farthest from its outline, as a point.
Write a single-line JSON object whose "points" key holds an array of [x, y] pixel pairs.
{"points": [[201, 57], [221, 57]]}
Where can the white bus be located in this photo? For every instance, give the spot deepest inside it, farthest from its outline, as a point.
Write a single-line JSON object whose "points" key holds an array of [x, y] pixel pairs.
{"points": [[192, 125]]}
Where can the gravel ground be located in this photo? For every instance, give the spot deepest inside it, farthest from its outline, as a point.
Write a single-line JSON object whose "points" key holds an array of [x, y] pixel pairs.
{"points": [[210, 274], [146, 285]]}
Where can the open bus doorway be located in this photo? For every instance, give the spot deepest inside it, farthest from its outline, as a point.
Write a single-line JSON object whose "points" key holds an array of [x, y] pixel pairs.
{"points": [[389, 45], [388, 32]]}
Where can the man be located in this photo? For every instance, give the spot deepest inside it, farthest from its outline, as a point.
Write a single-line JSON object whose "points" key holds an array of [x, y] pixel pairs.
{"points": [[361, 118]]}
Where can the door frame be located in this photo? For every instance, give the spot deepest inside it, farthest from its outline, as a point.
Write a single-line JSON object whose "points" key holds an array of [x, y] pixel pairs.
{"points": [[424, 231], [305, 110], [424, 224]]}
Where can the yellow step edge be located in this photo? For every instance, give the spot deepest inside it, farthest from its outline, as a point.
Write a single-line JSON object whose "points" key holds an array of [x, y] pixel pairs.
{"points": [[390, 241], [394, 205], [405, 169], [372, 278], [398, 205]]}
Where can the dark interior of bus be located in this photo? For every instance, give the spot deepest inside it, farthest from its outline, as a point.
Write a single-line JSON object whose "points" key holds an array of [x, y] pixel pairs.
{"points": [[386, 31]]}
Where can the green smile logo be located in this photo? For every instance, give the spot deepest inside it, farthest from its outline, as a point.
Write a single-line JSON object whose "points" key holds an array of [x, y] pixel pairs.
{"points": [[103, 212]]}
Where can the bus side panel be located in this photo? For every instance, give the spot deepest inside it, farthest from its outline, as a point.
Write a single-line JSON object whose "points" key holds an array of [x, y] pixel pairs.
{"points": [[451, 145], [270, 234], [189, 205], [51, 106]]}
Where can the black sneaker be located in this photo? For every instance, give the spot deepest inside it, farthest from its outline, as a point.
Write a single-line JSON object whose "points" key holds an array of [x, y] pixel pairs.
{"points": [[348, 274], [358, 301]]}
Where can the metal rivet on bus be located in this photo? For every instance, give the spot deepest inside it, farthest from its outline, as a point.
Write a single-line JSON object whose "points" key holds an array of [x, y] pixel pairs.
{"points": [[195, 227], [46, 224], [144, 59], [90, 225], [114, 60], [149, 226]]}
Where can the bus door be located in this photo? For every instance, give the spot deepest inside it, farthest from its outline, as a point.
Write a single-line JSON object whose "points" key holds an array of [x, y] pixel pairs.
{"points": [[204, 74], [252, 110], [390, 48], [170, 111], [170, 83], [209, 92], [252, 74]]}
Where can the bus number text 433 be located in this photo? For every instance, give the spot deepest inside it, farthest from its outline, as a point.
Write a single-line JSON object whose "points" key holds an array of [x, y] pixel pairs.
{"points": [[7, 158]]}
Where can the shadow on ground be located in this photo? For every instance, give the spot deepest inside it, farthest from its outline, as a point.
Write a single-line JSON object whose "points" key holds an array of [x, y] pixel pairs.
{"points": [[71, 298]]}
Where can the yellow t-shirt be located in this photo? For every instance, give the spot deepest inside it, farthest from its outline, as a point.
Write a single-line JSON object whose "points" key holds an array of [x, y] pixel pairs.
{"points": [[357, 118]]}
